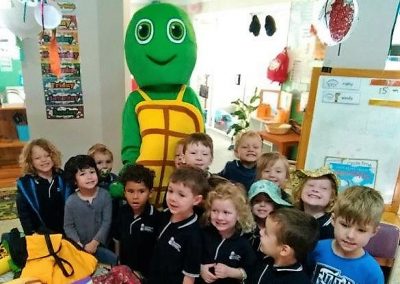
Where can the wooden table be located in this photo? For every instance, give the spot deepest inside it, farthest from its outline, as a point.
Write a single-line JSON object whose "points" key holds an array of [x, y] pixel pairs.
{"points": [[283, 141]]}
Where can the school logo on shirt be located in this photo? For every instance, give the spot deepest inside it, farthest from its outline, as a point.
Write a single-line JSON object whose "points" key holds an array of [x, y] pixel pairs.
{"points": [[174, 244], [325, 274], [144, 228], [234, 256]]}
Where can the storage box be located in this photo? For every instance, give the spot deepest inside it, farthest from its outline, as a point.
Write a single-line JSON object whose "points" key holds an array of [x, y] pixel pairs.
{"points": [[23, 132]]}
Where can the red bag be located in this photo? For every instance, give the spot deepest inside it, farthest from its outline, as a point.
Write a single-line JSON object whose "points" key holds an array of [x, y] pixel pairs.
{"points": [[120, 274], [278, 68]]}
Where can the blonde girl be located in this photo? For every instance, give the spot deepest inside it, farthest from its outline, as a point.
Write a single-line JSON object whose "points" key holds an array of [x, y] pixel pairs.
{"points": [[274, 167], [41, 191], [227, 254], [315, 192]]}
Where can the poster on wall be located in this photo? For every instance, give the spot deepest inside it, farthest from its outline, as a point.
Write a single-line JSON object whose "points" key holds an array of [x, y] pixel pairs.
{"points": [[353, 172], [63, 94]]}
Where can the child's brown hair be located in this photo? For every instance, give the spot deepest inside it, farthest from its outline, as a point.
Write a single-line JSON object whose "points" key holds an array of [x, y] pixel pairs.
{"points": [[25, 158], [199, 138], [268, 159], [100, 148], [191, 177], [361, 205], [243, 135], [298, 230]]}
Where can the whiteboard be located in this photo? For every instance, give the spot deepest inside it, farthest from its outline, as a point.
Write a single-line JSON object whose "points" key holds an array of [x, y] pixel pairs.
{"points": [[354, 127]]}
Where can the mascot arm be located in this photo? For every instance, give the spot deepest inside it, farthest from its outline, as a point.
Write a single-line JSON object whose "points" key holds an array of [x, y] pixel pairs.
{"points": [[130, 130], [191, 97]]}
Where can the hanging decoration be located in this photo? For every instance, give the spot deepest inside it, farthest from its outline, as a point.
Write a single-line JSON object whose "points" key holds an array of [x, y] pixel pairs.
{"points": [[54, 56], [336, 20], [48, 15], [30, 3], [60, 61], [20, 20]]}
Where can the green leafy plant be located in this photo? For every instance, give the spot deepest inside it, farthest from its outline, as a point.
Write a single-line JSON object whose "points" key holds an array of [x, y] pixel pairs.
{"points": [[242, 115]]}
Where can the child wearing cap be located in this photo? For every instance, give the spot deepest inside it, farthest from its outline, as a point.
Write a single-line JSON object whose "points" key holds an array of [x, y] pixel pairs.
{"points": [[265, 197], [289, 235], [315, 192]]}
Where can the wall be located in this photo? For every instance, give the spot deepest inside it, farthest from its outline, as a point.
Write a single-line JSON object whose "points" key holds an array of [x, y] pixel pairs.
{"points": [[101, 31], [226, 49]]}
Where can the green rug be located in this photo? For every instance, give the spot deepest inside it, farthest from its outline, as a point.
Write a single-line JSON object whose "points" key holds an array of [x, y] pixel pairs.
{"points": [[8, 209]]}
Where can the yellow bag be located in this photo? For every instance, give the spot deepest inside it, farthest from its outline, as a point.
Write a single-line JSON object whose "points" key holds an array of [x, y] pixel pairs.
{"points": [[53, 259]]}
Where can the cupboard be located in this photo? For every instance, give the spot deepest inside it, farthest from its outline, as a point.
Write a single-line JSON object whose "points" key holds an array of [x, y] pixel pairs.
{"points": [[10, 145]]}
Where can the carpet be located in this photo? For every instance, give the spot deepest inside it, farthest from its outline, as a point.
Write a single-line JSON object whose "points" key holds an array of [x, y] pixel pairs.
{"points": [[8, 208]]}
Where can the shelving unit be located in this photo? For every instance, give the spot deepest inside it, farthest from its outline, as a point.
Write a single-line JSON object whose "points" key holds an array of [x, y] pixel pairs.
{"points": [[10, 146]]}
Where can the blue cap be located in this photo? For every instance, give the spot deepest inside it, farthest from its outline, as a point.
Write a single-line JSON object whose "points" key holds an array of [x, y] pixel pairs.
{"points": [[270, 189]]}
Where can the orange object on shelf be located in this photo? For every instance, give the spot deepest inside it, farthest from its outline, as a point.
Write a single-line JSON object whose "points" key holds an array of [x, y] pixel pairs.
{"points": [[264, 111], [282, 116]]}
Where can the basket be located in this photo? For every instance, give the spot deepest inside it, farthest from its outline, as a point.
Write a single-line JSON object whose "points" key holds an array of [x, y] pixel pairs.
{"points": [[277, 128]]}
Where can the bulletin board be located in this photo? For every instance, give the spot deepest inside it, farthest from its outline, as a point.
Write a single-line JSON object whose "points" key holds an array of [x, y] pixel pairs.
{"points": [[352, 124]]}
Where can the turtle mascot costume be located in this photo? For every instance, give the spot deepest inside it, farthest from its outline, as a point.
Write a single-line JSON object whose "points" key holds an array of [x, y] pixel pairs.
{"points": [[160, 50]]}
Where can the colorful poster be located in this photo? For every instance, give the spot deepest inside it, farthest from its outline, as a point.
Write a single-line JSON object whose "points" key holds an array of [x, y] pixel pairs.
{"points": [[63, 94], [352, 172]]}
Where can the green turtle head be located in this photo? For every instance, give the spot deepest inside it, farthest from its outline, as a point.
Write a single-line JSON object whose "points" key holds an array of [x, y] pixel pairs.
{"points": [[160, 45]]}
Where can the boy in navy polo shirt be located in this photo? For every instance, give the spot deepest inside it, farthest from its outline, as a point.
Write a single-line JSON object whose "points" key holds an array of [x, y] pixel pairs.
{"points": [[177, 254], [136, 225], [288, 236], [248, 148]]}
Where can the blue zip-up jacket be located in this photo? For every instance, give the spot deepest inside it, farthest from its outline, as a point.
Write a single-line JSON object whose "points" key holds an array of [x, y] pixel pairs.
{"points": [[40, 203]]}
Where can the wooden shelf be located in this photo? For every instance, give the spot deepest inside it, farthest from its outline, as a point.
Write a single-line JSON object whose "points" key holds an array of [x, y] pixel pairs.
{"points": [[9, 175], [12, 107], [11, 144]]}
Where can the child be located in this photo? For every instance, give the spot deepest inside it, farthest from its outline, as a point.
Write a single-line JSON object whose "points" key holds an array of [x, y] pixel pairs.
{"points": [[315, 192], [177, 254], [104, 162], [274, 167], [136, 225], [178, 160], [41, 192], [227, 255], [356, 216], [87, 217], [198, 151], [288, 236], [265, 197], [248, 147]]}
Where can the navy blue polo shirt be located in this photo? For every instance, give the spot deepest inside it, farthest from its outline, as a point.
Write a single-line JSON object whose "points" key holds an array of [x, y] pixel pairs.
{"points": [[254, 239], [236, 172], [137, 237], [325, 227], [177, 252], [235, 252], [266, 272]]}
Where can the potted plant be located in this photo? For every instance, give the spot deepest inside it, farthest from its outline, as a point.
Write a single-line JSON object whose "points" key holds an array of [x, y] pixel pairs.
{"points": [[242, 115]]}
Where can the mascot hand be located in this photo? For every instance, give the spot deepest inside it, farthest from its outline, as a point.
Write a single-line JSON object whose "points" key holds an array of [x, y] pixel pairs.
{"points": [[116, 188]]}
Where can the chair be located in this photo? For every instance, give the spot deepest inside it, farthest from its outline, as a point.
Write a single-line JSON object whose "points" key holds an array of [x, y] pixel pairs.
{"points": [[383, 246]]}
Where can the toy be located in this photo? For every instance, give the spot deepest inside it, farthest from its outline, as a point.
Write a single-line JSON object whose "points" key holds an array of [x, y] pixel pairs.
{"points": [[160, 50]]}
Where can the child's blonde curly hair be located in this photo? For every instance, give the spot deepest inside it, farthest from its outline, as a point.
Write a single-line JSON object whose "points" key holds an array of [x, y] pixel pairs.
{"points": [[25, 158], [236, 193]]}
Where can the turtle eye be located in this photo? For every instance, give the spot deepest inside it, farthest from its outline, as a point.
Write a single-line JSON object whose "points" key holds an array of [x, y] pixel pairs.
{"points": [[176, 30], [144, 31]]}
